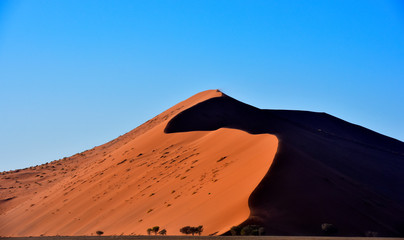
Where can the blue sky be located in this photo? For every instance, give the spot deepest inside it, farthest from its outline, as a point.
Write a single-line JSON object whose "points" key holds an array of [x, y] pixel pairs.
{"points": [[76, 74]]}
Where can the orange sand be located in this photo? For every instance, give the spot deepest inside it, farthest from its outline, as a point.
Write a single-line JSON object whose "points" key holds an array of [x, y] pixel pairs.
{"points": [[139, 180]]}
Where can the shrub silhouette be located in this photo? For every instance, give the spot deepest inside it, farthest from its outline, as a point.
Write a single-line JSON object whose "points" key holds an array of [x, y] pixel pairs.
{"points": [[261, 231], [248, 230], [155, 229], [235, 230], [252, 230], [163, 232], [192, 230], [149, 230], [328, 229], [198, 230], [99, 233], [186, 230]]}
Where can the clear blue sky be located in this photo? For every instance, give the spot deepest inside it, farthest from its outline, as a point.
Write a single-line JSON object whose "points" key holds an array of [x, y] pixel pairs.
{"points": [[76, 74]]}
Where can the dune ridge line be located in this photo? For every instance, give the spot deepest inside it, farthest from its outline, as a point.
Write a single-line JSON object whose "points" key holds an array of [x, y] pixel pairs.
{"points": [[142, 179]]}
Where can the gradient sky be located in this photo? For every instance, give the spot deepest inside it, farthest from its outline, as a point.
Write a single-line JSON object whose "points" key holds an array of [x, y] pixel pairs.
{"points": [[76, 74]]}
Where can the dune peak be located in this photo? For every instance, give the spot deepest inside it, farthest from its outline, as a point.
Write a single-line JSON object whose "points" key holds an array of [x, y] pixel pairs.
{"points": [[212, 160]]}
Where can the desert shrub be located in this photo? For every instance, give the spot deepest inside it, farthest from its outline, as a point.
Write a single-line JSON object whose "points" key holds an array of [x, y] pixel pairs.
{"points": [[261, 231], [99, 233], [328, 229], [163, 232], [155, 229], [198, 230], [149, 230], [252, 230], [186, 230], [192, 230], [235, 230]]}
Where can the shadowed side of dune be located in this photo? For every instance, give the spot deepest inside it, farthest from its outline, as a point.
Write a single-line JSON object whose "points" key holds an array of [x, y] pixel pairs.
{"points": [[142, 179], [326, 170], [191, 165]]}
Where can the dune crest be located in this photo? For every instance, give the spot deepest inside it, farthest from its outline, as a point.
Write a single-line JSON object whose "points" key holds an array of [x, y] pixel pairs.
{"points": [[139, 180], [326, 170], [214, 161]]}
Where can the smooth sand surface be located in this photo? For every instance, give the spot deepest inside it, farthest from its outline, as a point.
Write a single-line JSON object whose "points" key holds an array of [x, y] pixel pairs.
{"points": [[326, 170], [139, 180], [199, 238], [210, 161]]}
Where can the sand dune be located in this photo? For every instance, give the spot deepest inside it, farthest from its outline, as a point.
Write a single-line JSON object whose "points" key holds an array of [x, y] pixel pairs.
{"points": [[214, 161], [326, 170], [140, 180]]}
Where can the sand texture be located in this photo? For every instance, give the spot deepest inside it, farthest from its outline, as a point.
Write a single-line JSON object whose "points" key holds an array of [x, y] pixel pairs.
{"points": [[214, 161], [153, 237], [141, 180], [326, 170]]}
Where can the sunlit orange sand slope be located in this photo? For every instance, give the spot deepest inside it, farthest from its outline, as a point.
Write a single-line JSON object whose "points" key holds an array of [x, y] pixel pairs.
{"points": [[142, 179], [214, 161]]}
